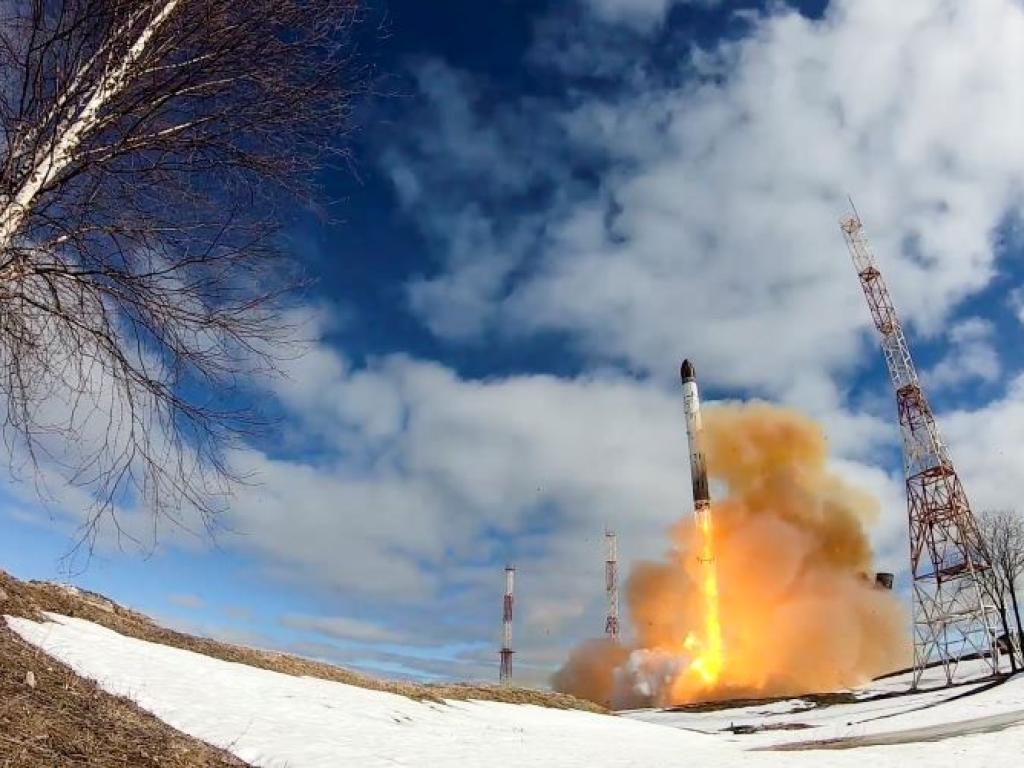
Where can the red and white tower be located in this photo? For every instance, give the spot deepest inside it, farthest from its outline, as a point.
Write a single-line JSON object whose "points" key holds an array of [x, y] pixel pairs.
{"points": [[505, 673], [611, 584], [951, 620]]}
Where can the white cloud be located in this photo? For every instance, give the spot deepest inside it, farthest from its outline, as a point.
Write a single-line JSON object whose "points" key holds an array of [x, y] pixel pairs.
{"points": [[713, 228], [985, 444], [342, 628], [1015, 301], [428, 463], [642, 14], [972, 356]]}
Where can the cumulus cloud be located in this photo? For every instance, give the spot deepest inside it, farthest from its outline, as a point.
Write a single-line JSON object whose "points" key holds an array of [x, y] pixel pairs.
{"points": [[971, 356], [713, 225], [984, 443], [429, 469]]}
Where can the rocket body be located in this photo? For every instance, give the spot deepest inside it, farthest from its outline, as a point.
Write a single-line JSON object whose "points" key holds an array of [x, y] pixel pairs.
{"points": [[695, 436], [708, 664]]}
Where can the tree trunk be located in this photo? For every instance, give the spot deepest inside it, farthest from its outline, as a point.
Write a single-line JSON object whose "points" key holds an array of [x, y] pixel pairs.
{"points": [[1009, 636], [1016, 613]]}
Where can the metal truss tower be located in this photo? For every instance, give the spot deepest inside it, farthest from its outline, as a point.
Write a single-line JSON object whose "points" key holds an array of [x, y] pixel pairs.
{"points": [[611, 584], [505, 673], [951, 620]]}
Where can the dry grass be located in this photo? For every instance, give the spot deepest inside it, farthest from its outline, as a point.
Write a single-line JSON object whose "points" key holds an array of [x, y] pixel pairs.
{"points": [[68, 721], [28, 599], [507, 694]]}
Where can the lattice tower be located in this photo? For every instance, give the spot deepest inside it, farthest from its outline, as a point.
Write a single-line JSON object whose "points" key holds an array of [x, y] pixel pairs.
{"points": [[505, 673], [611, 584], [951, 619]]}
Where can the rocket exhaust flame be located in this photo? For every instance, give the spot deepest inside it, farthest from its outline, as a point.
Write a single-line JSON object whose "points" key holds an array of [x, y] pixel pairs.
{"points": [[708, 663], [784, 610]]}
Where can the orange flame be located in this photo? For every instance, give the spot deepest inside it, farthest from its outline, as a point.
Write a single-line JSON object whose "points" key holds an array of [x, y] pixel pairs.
{"points": [[708, 663], [772, 599]]}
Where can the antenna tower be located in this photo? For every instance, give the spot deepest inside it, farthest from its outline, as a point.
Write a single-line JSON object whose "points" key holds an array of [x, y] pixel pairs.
{"points": [[611, 584], [951, 621], [505, 673]]}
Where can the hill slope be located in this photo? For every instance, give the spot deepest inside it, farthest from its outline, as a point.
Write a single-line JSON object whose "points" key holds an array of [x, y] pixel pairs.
{"points": [[30, 599], [272, 719], [66, 719]]}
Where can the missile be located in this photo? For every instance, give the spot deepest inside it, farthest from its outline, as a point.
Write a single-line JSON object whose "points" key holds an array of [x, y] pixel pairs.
{"points": [[709, 662], [695, 436]]}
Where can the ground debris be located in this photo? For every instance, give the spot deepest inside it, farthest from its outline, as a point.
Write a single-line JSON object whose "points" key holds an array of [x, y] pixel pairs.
{"points": [[748, 728], [741, 729]]}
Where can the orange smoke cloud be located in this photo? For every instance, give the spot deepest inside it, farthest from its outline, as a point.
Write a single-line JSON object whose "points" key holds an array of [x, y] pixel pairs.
{"points": [[589, 671], [797, 613]]}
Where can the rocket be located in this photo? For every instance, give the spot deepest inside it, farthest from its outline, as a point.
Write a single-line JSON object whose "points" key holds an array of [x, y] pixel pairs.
{"points": [[695, 435], [709, 663]]}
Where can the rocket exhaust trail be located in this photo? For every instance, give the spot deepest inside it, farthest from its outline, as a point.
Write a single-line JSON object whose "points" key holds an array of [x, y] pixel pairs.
{"points": [[787, 540], [708, 663]]}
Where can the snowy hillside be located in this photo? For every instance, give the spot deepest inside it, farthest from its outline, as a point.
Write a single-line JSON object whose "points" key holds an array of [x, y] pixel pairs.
{"points": [[271, 719]]}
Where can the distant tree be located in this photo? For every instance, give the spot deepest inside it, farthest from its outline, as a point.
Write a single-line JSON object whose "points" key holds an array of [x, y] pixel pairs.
{"points": [[1002, 534], [147, 148]]}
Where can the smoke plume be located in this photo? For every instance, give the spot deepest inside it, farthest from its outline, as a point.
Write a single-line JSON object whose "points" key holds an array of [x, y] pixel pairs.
{"points": [[798, 608]]}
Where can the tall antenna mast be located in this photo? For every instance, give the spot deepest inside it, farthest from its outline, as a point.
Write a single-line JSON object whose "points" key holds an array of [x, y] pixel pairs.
{"points": [[951, 621], [505, 673], [611, 584]]}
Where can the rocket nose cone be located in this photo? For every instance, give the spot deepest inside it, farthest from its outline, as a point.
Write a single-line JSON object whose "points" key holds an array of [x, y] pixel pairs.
{"points": [[686, 371]]}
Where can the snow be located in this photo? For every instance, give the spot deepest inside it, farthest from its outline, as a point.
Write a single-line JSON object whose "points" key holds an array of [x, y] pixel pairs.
{"points": [[866, 717], [271, 719]]}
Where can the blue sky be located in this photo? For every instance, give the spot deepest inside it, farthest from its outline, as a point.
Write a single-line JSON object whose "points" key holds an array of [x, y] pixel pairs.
{"points": [[553, 205]]}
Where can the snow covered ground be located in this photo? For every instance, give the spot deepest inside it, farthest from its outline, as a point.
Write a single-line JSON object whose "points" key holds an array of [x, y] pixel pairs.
{"points": [[271, 719], [799, 720]]}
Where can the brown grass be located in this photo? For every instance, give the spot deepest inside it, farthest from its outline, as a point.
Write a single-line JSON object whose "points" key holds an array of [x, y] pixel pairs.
{"points": [[68, 721], [29, 599]]}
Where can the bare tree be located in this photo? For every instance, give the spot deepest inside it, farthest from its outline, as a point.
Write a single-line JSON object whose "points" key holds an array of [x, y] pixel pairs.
{"points": [[1002, 534], [148, 149]]}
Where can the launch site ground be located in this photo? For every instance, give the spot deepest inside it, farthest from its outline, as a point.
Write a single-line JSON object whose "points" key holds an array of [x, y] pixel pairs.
{"points": [[262, 717], [884, 712]]}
